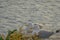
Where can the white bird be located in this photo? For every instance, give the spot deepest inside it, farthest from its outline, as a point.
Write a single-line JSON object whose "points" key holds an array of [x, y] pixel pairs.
{"points": [[36, 29], [29, 27], [29, 24]]}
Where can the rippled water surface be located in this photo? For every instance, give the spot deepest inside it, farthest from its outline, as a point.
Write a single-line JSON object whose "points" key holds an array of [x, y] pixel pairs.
{"points": [[14, 13]]}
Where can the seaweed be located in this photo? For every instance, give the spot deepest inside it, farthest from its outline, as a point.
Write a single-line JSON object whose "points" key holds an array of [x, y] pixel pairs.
{"points": [[16, 35], [1, 38], [9, 33]]}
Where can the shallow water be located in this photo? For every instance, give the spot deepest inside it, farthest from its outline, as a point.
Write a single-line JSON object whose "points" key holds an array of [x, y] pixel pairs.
{"points": [[14, 13]]}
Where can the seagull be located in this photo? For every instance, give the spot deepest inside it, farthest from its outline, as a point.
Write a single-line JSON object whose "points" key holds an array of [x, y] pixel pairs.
{"points": [[36, 28], [29, 27], [46, 34]]}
